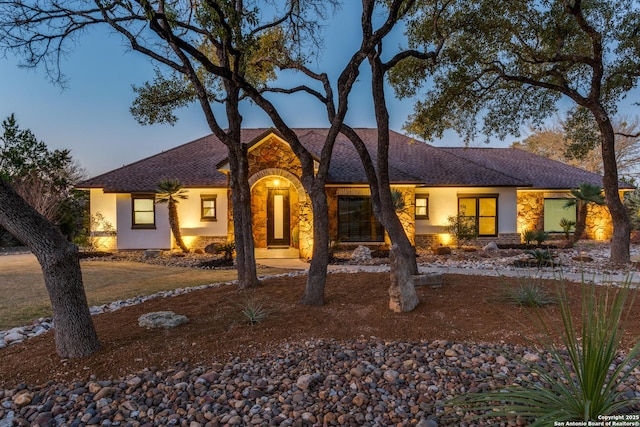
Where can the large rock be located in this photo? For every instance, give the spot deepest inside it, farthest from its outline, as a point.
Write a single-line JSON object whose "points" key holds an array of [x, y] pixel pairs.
{"points": [[361, 253], [161, 319]]}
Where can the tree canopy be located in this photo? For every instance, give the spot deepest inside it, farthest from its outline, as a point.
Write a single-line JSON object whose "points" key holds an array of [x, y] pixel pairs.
{"points": [[507, 63]]}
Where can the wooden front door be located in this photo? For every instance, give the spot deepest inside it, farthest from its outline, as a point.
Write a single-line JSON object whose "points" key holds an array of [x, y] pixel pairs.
{"points": [[278, 218]]}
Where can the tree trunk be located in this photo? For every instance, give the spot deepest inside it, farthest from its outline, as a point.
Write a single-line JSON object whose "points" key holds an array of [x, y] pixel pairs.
{"points": [[581, 221], [402, 292], [242, 218], [75, 334], [621, 238], [175, 226], [317, 278]]}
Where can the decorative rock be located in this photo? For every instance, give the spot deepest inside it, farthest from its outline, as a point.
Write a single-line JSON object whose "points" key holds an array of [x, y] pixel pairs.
{"points": [[304, 382], [431, 279], [490, 247], [152, 253], [22, 399], [442, 250], [14, 338], [531, 358], [161, 319], [391, 375], [361, 253]]}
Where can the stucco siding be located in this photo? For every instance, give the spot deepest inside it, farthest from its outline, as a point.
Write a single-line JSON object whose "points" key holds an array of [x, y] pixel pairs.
{"points": [[443, 202], [130, 238]]}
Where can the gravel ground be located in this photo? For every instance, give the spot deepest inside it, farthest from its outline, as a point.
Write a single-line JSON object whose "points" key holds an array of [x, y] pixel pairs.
{"points": [[364, 383]]}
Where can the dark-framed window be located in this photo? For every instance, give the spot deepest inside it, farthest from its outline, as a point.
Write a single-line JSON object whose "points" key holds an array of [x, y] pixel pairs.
{"points": [[143, 211], [422, 206], [356, 221], [208, 208], [554, 210], [483, 209]]}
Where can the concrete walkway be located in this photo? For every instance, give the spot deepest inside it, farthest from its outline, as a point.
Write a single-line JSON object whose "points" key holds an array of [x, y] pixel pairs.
{"points": [[22, 260], [297, 264]]}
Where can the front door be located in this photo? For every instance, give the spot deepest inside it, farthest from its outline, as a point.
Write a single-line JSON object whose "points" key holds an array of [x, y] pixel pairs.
{"points": [[278, 219]]}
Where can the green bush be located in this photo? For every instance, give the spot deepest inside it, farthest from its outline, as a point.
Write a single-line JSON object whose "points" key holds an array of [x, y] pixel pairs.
{"points": [[567, 225], [528, 236], [462, 227], [581, 383], [253, 310], [528, 293], [227, 250], [541, 257]]}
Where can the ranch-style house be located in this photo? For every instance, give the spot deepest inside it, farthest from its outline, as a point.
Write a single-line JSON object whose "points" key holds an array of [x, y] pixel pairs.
{"points": [[506, 190]]}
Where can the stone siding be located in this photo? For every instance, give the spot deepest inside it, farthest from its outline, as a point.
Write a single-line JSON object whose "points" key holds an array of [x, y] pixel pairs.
{"points": [[531, 216]]}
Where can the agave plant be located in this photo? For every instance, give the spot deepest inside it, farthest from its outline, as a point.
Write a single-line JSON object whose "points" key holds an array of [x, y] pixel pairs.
{"points": [[582, 382]]}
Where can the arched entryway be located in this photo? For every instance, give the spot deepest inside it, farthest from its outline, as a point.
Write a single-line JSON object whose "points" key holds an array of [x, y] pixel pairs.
{"points": [[281, 213]]}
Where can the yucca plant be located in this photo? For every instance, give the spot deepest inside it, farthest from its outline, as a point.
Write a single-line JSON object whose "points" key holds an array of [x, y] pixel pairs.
{"points": [[581, 383], [253, 310], [527, 293]]}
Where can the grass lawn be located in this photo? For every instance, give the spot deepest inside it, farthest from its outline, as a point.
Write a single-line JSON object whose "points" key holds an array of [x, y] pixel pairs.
{"points": [[23, 296]]}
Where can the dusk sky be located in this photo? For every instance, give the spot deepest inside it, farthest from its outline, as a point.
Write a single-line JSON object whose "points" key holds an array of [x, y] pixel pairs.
{"points": [[91, 115]]}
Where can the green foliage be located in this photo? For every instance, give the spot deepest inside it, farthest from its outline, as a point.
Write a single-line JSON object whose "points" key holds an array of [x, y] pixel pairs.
{"points": [[581, 133], [462, 227], [528, 236], [227, 250], [587, 193], [21, 154], [170, 191], [527, 293], [580, 382], [543, 257], [254, 310], [92, 236], [540, 236], [397, 199], [505, 63], [632, 202], [566, 226]]}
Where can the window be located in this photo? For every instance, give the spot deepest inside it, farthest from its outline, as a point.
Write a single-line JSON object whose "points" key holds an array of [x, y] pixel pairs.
{"points": [[143, 211], [356, 221], [422, 207], [208, 208], [554, 211], [484, 211]]}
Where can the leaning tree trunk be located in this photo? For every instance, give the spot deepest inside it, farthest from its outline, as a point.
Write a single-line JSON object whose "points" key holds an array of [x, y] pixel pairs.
{"points": [[75, 334], [581, 221], [621, 238], [242, 227], [317, 277], [403, 296], [175, 226]]}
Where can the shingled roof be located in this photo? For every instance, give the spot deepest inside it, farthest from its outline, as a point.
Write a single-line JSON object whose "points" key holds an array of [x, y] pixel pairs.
{"points": [[410, 161], [540, 172]]}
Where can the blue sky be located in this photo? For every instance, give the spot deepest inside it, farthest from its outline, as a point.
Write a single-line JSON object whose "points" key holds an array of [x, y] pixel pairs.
{"points": [[91, 115]]}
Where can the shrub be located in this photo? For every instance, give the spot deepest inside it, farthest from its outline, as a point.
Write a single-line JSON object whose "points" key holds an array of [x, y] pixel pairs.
{"points": [[540, 236], [541, 257], [462, 227], [253, 310], [527, 294], [227, 250], [528, 236], [582, 381], [567, 225]]}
